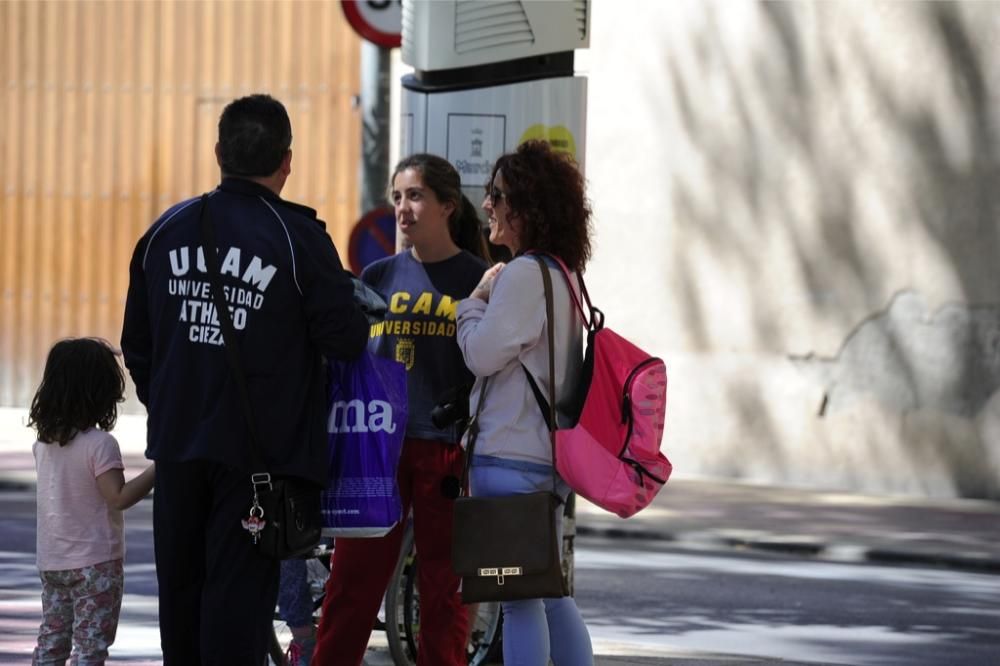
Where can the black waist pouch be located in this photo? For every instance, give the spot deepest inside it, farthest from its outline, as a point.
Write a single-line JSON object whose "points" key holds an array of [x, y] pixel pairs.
{"points": [[293, 520]]}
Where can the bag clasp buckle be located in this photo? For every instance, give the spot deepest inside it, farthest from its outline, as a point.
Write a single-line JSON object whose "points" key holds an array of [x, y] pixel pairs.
{"points": [[500, 572]]}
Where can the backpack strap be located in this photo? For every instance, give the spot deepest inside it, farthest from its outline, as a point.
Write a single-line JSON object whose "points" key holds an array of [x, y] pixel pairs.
{"points": [[548, 412], [548, 407], [595, 320]]}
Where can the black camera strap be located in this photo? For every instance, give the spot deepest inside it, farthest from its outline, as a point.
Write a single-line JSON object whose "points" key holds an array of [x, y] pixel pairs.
{"points": [[473, 435], [254, 523]]}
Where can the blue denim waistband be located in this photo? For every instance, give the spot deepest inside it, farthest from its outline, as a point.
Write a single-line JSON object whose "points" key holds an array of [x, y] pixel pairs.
{"points": [[519, 465]]}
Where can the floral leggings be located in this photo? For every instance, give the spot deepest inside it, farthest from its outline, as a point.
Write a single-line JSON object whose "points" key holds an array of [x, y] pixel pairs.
{"points": [[80, 608]]}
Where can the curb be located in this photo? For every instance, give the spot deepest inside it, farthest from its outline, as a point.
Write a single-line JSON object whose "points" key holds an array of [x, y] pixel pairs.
{"points": [[972, 564], [807, 547]]}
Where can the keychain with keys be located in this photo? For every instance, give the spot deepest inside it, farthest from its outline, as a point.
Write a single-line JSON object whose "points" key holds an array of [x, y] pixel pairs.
{"points": [[255, 522]]}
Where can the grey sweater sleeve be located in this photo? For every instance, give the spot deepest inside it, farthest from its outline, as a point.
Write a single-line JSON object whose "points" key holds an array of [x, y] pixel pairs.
{"points": [[493, 335]]}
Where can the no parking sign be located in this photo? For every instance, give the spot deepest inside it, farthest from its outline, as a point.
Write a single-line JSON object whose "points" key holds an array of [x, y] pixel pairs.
{"points": [[373, 237]]}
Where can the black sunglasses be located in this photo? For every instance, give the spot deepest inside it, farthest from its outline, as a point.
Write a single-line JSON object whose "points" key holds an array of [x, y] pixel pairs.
{"points": [[495, 194]]}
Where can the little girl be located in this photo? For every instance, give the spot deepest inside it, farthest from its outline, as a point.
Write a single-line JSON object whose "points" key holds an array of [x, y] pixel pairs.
{"points": [[81, 496]]}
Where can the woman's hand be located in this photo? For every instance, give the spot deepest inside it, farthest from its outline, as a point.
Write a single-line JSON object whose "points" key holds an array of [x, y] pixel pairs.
{"points": [[482, 290]]}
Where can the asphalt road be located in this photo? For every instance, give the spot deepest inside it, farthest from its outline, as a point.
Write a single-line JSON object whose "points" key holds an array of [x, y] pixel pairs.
{"points": [[657, 603], [786, 608]]}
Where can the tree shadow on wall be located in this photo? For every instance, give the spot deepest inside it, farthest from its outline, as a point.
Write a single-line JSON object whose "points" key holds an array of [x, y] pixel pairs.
{"points": [[956, 201]]}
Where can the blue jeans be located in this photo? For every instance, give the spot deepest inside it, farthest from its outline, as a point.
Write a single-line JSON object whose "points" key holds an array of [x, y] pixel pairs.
{"points": [[295, 604], [534, 629]]}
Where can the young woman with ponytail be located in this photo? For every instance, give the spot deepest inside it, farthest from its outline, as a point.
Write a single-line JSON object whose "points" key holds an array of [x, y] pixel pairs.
{"points": [[444, 261]]}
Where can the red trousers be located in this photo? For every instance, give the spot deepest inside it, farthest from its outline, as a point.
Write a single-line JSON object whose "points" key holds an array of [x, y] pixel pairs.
{"points": [[360, 569]]}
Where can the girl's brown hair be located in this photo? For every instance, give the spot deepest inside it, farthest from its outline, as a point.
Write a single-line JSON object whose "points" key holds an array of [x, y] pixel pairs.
{"points": [[442, 178], [81, 387]]}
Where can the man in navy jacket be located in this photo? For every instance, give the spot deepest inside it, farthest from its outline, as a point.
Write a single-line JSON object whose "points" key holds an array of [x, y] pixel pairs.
{"points": [[291, 305]]}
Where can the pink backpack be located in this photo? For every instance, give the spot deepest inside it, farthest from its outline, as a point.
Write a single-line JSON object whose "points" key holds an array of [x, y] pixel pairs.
{"points": [[612, 455]]}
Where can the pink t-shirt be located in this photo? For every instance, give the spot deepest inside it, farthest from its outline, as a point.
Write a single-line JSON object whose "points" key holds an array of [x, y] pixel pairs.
{"points": [[76, 527]]}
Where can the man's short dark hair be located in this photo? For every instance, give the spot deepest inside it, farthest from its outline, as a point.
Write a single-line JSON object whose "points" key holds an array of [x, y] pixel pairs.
{"points": [[254, 136]]}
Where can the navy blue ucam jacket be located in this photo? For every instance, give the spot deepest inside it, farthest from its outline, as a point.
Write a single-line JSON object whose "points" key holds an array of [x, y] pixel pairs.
{"points": [[291, 304]]}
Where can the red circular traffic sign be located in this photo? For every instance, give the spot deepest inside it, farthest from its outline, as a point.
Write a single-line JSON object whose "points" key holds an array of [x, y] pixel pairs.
{"points": [[373, 237], [378, 21]]}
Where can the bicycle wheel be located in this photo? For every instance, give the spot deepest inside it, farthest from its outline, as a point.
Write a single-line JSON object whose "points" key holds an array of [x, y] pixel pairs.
{"points": [[317, 571], [402, 604], [485, 634]]}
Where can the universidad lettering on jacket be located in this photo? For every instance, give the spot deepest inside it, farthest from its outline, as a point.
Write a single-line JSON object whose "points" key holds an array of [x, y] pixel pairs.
{"points": [[197, 307]]}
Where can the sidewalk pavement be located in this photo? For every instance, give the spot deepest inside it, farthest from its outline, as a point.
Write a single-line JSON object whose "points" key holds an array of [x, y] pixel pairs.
{"points": [[712, 514], [828, 525]]}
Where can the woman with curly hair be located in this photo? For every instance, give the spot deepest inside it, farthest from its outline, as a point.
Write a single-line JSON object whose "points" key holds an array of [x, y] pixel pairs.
{"points": [[536, 202]]}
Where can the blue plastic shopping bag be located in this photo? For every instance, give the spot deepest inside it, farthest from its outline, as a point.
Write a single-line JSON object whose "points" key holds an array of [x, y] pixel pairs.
{"points": [[365, 426]]}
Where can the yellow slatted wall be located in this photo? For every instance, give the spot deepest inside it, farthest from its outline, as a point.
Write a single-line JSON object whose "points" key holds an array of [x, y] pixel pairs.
{"points": [[108, 114]]}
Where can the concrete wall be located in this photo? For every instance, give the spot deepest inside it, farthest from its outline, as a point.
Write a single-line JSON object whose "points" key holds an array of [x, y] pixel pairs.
{"points": [[796, 206]]}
